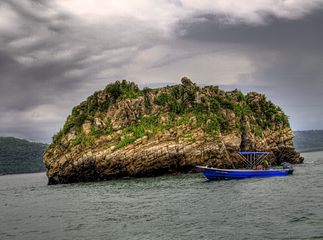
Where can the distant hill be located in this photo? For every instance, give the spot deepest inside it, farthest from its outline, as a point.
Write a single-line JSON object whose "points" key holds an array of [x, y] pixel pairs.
{"points": [[20, 156], [307, 141]]}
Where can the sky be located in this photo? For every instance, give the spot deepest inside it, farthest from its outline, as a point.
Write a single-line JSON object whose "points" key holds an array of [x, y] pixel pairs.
{"points": [[53, 54]]}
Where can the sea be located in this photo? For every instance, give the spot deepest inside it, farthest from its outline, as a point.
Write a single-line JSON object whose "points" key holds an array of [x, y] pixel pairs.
{"points": [[184, 206]]}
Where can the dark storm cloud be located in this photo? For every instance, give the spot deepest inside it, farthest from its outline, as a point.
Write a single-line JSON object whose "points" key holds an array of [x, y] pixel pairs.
{"points": [[293, 41], [304, 34], [53, 59], [53, 54], [287, 54]]}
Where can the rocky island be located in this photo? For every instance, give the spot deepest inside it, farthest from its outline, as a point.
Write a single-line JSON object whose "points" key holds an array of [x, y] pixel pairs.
{"points": [[124, 131]]}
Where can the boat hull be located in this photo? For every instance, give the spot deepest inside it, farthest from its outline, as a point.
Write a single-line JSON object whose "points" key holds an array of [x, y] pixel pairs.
{"points": [[218, 174]]}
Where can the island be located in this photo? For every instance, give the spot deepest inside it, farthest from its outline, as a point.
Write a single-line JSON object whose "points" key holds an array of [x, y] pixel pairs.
{"points": [[124, 131]]}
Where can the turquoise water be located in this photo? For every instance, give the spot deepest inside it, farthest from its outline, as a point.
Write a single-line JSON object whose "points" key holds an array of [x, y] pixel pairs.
{"points": [[169, 207]]}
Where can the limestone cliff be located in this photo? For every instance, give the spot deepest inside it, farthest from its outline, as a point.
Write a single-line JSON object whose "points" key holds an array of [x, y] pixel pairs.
{"points": [[124, 131]]}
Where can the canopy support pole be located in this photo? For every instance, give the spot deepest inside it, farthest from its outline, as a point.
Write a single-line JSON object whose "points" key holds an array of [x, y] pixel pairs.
{"points": [[251, 160]]}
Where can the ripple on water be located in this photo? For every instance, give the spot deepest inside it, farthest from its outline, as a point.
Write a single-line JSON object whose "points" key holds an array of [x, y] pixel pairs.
{"points": [[169, 207]]}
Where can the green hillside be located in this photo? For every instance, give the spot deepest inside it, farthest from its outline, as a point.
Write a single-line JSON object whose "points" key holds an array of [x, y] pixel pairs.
{"points": [[20, 156]]}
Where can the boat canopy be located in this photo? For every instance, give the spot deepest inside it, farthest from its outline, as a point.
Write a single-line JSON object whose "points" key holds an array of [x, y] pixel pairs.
{"points": [[258, 153], [252, 159]]}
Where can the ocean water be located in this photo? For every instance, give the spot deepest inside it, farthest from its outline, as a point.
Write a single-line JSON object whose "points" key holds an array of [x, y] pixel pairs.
{"points": [[169, 207]]}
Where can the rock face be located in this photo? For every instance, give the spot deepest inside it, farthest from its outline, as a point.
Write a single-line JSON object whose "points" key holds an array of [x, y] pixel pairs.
{"points": [[123, 131]]}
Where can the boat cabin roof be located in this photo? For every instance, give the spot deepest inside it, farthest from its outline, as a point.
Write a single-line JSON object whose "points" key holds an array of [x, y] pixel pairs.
{"points": [[257, 153]]}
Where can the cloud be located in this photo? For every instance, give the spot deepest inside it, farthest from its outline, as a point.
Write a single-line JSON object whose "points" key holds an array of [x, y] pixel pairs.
{"points": [[253, 12], [53, 54], [165, 13], [204, 64]]}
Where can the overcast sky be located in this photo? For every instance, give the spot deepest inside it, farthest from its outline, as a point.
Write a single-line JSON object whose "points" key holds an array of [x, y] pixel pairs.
{"points": [[53, 54]]}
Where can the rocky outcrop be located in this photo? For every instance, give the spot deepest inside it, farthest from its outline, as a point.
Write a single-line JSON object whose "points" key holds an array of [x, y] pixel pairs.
{"points": [[123, 131]]}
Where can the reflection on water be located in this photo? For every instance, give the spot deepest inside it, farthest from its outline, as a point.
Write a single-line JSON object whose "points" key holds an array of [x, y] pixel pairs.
{"points": [[169, 207]]}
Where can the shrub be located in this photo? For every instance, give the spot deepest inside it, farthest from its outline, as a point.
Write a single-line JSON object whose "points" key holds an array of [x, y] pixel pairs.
{"points": [[279, 118], [214, 89], [176, 106], [113, 90], [183, 120], [126, 141], [147, 103], [132, 134], [259, 131], [240, 96], [138, 130], [146, 90], [68, 124], [224, 124], [97, 132], [214, 105], [84, 140], [172, 116], [201, 118], [212, 125], [200, 107], [79, 120], [186, 82], [124, 89], [162, 99], [56, 137], [241, 110], [240, 126], [226, 104], [177, 91], [190, 95]]}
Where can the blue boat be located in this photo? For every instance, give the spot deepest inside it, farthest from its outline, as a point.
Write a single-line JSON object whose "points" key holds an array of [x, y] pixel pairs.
{"points": [[252, 159]]}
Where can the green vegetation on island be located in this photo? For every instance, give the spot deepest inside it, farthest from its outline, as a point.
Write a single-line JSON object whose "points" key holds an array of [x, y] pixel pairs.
{"points": [[206, 108]]}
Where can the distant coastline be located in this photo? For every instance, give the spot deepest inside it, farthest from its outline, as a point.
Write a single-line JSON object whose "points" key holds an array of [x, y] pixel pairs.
{"points": [[308, 141], [20, 156], [310, 150]]}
